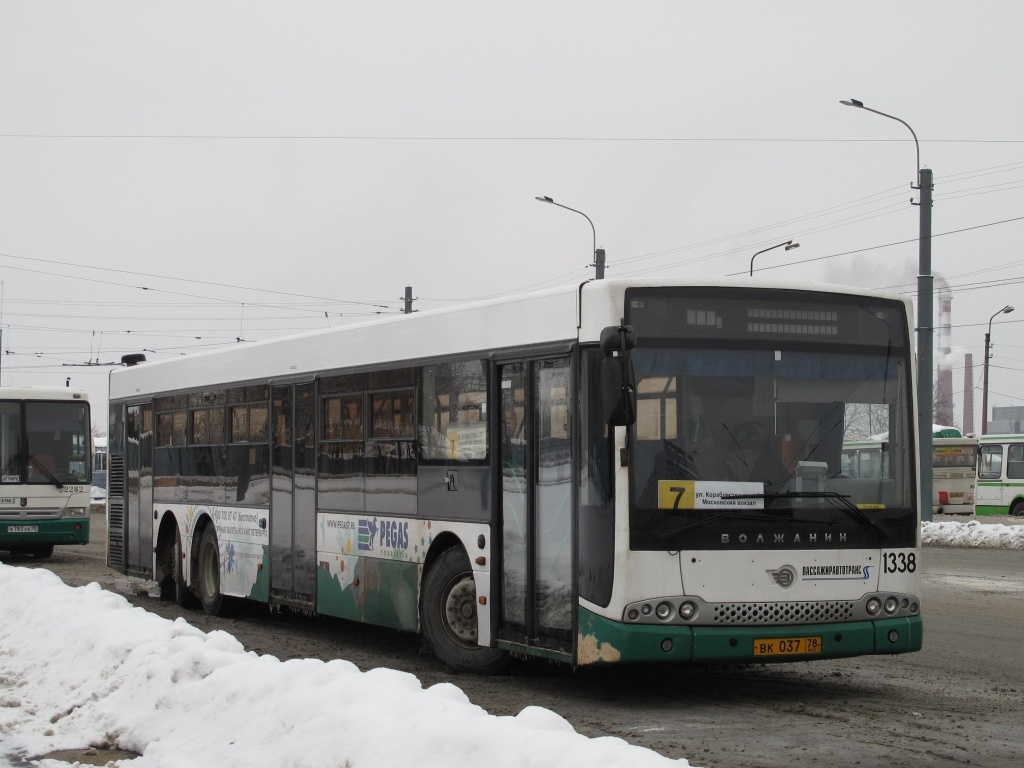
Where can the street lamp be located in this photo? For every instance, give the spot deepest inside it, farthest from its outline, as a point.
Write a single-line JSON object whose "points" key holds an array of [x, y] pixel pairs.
{"points": [[925, 328], [790, 245], [984, 387], [598, 255]]}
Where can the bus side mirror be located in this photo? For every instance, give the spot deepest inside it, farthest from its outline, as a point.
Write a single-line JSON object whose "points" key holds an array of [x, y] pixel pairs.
{"points": [[618, 338], [618, 382]]}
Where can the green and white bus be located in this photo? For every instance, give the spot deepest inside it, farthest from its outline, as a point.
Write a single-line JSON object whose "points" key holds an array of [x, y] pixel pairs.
{"points": [[617, 471], [45, 459], [1000, 476]]}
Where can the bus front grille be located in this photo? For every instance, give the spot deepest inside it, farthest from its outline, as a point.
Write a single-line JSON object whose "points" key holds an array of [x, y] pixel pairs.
{"points": [[755, 614]]}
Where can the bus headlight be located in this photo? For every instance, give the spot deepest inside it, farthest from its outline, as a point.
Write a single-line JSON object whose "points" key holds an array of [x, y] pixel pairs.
{"points": [[687, 610], [874, 606], [76, 511], [663, 611], [891, 604]]}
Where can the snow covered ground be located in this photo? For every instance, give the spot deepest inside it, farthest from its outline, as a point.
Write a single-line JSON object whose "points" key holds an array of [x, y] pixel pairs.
{"points": [[80, 666], [972, 533], [183, 698]]}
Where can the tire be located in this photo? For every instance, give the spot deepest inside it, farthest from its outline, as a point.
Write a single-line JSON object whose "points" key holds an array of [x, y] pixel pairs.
{"points": [[208, 573], [1017, 510], [172, 584], [449, 619], [42, 551]]}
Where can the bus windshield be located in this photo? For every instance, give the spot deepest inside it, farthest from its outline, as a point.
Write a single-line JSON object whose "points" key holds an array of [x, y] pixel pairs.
{"points": [[51, 447], [742, 428]]}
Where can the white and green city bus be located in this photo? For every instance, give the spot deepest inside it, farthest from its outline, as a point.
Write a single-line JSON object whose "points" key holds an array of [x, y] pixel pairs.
{"points": [[1000, 475], [619, 471], [44, 469]]}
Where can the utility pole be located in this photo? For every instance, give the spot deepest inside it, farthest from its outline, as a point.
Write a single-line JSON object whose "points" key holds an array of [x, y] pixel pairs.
{"points": [[408, 299], [925, 340]]}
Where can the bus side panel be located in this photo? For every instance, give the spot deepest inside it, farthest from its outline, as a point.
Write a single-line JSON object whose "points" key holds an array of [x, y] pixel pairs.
{"points": [[369, 568]]}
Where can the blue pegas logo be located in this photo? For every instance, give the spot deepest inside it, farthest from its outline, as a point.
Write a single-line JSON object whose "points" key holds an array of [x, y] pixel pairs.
{"points": [[382, 534], [367, 533]]}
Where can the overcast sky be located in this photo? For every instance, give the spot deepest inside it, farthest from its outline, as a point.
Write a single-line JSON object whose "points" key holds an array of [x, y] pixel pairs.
{"points": [[177, 176]]}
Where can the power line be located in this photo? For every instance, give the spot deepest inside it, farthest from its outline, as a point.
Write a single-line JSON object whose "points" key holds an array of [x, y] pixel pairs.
{"points": [[453, 138]]}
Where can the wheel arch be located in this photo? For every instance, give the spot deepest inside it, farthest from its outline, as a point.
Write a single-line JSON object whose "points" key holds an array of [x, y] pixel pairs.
{"points": [[445, 541], [167, 530], [1017, 499]]}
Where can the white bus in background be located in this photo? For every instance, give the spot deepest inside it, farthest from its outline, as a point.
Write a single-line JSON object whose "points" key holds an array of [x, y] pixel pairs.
{"points": [[954, 475], [1000, 475], [954, 466], [45, 469]]}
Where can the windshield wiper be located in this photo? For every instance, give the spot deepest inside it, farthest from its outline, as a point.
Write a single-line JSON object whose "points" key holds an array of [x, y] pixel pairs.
{"points": [[32, 460], [838, 500], [736, 514], [15, 459]]}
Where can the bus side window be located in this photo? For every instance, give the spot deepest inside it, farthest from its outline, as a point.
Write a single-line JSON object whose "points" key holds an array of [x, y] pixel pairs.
{"points": [[990, 464], [1015, 461]]}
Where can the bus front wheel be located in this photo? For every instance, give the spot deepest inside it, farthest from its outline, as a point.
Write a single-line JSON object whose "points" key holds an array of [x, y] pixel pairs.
{"points": [[208, 567], [449, 618], [1017, 510]]}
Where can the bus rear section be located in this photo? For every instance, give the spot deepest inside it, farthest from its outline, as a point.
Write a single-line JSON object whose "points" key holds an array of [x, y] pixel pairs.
{"points": [[44, 469], [954, 475], [1000, 475]]}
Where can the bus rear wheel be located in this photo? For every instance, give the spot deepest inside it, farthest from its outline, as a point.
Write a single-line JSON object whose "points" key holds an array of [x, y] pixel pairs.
{"points": [[1017, 510], [172, 570], [208, 572], [449, 618]]}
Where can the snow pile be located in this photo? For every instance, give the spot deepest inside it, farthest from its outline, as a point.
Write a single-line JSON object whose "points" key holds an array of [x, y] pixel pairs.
{"points": [[80, 666], [973, 534]]}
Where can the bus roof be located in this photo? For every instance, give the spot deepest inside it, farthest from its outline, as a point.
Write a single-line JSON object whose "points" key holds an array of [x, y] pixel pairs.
{"points": [[32, 392], [554, 315]]}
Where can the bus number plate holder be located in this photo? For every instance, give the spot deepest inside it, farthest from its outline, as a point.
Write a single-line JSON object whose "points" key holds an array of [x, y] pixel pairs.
{"points": [[787, 646]]}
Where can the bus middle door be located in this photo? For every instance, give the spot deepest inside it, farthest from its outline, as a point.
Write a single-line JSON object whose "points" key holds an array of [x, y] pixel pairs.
{"points": [[293, 500], [536, 505]]}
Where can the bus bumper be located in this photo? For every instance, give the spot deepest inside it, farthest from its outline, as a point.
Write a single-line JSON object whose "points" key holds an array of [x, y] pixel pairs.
{"points": [[601, 641], [71, 530]]}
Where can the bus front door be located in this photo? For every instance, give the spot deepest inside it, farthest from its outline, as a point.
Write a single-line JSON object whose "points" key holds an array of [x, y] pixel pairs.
{"points": [[293, 499], [536, 505]]}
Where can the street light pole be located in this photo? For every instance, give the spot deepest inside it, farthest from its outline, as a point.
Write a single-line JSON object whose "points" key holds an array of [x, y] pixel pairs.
{"points": [[790, 245], [925, 314], [598, 255], [984, 386]]}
